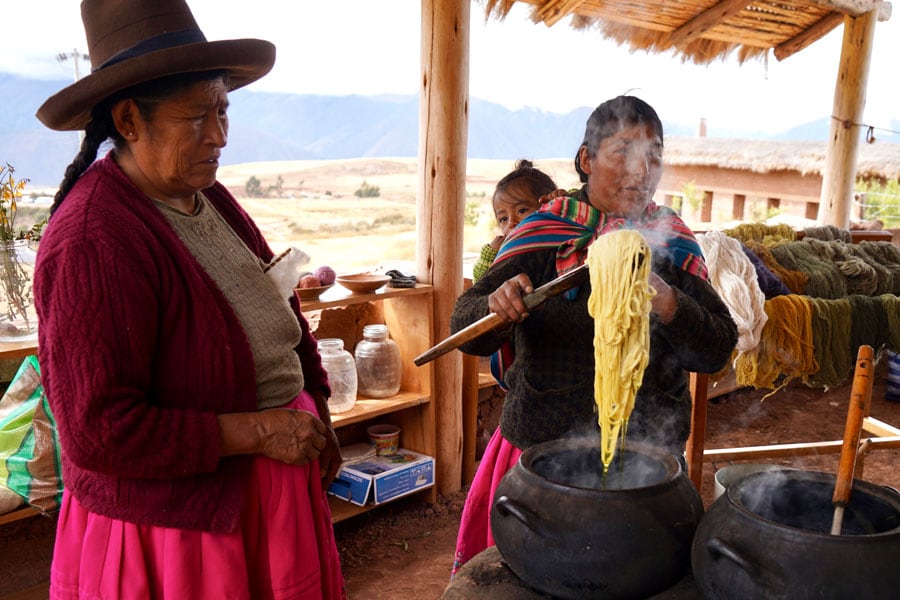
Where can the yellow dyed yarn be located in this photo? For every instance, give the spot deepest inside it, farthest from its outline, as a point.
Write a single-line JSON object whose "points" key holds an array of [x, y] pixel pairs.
{"points": [[619, 265], [767, 235], [785, 347]]}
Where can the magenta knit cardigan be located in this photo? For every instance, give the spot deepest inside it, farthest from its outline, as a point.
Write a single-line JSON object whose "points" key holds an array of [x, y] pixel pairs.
{"points": [[139, 352]]}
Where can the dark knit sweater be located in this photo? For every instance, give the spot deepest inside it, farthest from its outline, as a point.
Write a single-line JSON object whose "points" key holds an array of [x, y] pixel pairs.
{"points": [[551, 381], [139, 352]]}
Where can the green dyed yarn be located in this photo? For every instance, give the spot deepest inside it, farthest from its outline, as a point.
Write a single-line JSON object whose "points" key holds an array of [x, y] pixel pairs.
{"points": [[831, 324], [825, 280]]}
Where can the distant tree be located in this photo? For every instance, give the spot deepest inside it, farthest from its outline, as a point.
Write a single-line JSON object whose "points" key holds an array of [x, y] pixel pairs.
{"points": [[367, 191], [253, 187], [277, 188]]}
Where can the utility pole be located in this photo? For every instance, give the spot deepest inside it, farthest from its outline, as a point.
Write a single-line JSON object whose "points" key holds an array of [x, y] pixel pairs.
{"points": [[76, 56]]}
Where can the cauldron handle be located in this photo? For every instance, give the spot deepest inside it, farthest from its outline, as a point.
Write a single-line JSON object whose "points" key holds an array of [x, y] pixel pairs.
{"points": [[506, 506], [719, 548]]}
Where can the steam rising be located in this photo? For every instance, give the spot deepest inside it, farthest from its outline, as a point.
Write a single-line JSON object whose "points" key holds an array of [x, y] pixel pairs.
{"points": [[578, 465], [804, 501]]}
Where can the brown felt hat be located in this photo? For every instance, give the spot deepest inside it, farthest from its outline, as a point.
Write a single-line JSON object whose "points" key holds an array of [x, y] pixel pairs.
{"points": [[133, 41]]}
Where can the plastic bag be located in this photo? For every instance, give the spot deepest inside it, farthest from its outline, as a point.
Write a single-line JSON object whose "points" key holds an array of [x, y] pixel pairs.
{"points": [[29, 445]]}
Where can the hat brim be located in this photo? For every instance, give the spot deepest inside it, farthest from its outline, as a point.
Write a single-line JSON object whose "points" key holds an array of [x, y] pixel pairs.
{"points": [[245, 61]]}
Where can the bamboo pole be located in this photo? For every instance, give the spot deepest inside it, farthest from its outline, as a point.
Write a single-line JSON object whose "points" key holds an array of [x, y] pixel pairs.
{"points": [[443, 137], [839, 177]]}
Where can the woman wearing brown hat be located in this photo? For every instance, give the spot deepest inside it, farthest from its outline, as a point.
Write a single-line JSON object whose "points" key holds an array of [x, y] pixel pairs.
{"points": [[189, 395]]}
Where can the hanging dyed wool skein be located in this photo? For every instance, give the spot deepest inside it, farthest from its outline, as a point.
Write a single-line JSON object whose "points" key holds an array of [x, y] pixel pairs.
{"points": [[619, 265]]}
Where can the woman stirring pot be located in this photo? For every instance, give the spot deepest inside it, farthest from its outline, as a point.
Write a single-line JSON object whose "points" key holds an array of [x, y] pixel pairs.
{"points": [[551, 378]]}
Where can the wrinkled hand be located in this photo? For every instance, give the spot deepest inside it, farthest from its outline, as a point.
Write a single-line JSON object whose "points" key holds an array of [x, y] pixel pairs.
{"points": [[664, 302], [506, 301], [295, 437], [497, 242]]}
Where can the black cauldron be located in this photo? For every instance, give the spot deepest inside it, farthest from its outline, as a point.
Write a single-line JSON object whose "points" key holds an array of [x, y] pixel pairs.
{"points": [[567, 532], [769, 536]]}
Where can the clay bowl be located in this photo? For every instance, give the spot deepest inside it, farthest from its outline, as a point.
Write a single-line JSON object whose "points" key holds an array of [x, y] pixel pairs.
{"points": [[312, 293], [362, 283]]}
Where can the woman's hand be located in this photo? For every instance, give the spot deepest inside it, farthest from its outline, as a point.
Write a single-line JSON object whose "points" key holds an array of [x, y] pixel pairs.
{"points": [[292, 436], [497, 242], [506, 301], [665, 301]]}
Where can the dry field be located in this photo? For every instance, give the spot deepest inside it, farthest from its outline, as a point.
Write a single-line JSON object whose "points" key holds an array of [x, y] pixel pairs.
{"points": [[318, 211]]}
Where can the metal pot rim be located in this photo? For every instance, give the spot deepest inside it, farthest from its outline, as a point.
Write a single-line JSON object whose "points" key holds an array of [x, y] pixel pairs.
{"points": [[734, 492], [672, 467]]}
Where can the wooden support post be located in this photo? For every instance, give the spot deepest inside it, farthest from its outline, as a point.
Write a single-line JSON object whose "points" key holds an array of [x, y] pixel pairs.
{"points": [[443, 137], [839, 176], [693, 450]]}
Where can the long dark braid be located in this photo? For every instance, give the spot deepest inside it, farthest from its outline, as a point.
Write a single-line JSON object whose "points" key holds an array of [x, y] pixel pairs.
{"points": [[96, 132]]}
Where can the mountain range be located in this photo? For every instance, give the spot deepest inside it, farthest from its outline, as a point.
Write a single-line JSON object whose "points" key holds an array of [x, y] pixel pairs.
{"points": [[270, 126]]}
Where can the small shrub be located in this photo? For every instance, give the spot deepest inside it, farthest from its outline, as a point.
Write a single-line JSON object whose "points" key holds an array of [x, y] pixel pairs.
{"points": [[367, 191]]}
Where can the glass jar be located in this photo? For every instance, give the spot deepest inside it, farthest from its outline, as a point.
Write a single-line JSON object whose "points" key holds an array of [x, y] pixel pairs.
{"points": [[378, 363], [18, 315], [341, 369]]}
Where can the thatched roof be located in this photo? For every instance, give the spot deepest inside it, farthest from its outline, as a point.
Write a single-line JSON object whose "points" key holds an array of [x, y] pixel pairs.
{"points": [[878, 160], [702, 31]]}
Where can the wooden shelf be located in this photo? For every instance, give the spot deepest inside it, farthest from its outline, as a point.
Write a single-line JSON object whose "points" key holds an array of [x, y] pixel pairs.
{"points": [[19, 514], [341, 509], [340, 296], [18, 349], [367, 408], [408, 313]]}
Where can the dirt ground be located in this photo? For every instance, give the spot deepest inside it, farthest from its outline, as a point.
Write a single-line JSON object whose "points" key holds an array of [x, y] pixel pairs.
{"points": [[404, 550]]}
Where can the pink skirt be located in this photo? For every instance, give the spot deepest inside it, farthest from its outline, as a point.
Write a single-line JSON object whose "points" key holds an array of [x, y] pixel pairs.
{"points": [[283, 547], [475, 524]]}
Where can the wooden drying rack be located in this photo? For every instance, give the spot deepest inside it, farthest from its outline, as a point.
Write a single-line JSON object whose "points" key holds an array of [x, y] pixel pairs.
{"points": [[884, 436]]}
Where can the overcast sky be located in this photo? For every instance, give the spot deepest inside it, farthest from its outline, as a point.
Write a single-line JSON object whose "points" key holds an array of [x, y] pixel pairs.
{"points": [[339, 47]]}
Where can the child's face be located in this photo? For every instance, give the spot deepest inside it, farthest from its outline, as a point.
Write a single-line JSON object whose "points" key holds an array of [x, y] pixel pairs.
{"points": [[513, 204]]}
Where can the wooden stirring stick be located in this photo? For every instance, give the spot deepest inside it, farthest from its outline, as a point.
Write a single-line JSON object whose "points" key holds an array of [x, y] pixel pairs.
{"points": [[860, 405]]}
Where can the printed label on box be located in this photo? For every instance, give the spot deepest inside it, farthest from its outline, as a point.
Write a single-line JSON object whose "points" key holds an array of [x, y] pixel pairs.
{"points": [[384, 478]]}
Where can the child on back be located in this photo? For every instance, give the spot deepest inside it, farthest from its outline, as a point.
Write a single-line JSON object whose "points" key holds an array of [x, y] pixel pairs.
{"points": [[516, 196]]}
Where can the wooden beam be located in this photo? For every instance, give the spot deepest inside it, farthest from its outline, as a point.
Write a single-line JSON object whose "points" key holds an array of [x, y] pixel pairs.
{"points": [[800, 449], [839, 176], [705, 21], [552, 11], [855, 8], [693, 448], [880, 428], [817, 31], [443, 138]]}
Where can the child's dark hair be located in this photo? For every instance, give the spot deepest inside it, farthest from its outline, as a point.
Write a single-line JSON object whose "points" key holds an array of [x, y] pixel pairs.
{"points": [[539, 183]]}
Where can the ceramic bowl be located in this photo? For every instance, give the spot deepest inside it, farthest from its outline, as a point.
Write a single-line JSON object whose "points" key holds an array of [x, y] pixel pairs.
{"points": [[312, 293], [363, 282]]}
